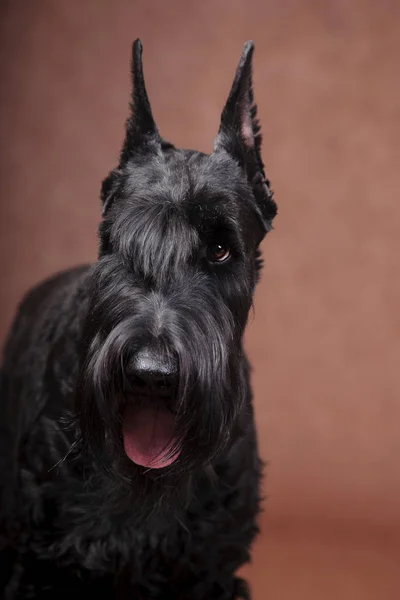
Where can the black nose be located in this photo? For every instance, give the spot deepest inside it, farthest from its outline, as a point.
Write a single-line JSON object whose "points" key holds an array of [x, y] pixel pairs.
{"points": [[153, 371]]}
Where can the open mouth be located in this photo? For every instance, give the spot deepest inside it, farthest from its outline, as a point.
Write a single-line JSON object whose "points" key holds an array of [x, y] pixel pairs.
{"points": [[148, 434], [148, 419], [148, 425]]}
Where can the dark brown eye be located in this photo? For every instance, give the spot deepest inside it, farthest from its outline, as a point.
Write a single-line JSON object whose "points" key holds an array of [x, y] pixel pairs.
{"points": [[218, 253]]}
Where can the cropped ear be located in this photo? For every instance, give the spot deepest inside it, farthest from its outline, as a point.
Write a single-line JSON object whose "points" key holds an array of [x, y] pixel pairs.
{"points": [[239, 135], [141, 130]]}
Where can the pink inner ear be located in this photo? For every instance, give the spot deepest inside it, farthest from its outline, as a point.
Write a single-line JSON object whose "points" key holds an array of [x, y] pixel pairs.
{"points": [[247, 129]]}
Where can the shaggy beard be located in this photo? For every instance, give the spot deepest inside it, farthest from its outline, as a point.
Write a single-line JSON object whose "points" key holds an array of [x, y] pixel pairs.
{"points": [[209, 400]]}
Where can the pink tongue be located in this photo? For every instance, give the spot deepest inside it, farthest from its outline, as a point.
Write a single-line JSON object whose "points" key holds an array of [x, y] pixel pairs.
{"points": [[149, 436]]}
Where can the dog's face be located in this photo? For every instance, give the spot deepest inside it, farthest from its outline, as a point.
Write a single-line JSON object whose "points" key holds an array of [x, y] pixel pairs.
{"points": [[163, 380]]}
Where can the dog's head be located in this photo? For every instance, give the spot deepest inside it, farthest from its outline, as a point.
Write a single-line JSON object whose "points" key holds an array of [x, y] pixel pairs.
{"points": [[163, 379]]}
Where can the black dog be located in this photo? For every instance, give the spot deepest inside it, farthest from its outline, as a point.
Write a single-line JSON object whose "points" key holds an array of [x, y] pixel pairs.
{"points": [[129, 461]]}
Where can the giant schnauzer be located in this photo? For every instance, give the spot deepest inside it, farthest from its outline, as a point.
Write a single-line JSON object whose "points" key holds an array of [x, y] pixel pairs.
{"points": [[129, 463]]}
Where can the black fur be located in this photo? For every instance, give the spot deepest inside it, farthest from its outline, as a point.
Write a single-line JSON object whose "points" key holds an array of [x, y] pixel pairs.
{"points": [[78, 516]]}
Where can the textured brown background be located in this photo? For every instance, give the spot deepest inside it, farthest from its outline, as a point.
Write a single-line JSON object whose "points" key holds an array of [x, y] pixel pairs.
{"points": [[324, 340]]}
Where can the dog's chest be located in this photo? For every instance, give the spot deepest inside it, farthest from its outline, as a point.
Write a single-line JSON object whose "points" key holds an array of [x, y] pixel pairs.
{"points": [[80, 533]]}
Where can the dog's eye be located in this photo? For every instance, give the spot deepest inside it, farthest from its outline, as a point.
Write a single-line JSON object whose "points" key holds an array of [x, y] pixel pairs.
{"points": [[218, 253]]}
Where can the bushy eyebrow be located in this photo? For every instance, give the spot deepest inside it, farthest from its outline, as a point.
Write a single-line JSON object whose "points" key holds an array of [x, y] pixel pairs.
{"points": [[158, 241]]}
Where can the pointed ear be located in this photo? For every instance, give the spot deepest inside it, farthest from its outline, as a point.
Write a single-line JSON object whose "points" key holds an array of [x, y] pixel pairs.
{"points": [[239, 135], [141, 129], [237, 120]]}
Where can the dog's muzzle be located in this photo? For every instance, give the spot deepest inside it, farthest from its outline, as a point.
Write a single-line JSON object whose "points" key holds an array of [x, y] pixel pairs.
{"points": [[148, 417]]}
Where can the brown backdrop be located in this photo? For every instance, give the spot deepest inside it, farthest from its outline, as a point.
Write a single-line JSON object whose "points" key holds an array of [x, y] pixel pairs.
{"points": [[324, 340]]}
